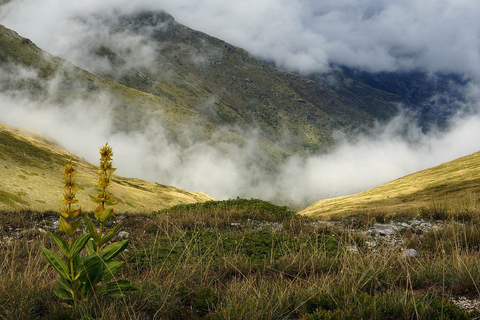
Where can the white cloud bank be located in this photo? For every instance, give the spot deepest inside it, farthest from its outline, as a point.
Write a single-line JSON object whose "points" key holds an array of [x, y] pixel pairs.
{"points": [[298, 35]]}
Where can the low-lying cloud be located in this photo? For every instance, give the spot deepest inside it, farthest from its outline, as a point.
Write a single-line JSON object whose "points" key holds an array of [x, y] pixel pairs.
{"points": [[374, 158]]}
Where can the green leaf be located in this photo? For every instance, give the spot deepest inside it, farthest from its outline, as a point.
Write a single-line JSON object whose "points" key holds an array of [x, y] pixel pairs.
{"points": [[92, 229], [117, 288], [111, 233], [75, 225], [64, 226], [78, 266], [111, 269], [105, 215], [62, 244], [57, 262], [63, 294], [93, 268], [111, 202], [112, 250], [66, 285], [91, 248], [78, 244], [94, 199]]}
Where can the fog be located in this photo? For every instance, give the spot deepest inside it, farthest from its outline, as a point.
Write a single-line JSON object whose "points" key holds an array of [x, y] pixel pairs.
{"points": [[302, 36], [373, 158]]}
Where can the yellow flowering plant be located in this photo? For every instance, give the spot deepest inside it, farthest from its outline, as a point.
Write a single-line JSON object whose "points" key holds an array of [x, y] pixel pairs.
{"points": [[70, 267], [90, 275]]}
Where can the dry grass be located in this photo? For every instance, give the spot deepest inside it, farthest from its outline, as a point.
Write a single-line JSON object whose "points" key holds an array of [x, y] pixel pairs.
{"points": [[30, 171], [454, 186], [253, 269]]}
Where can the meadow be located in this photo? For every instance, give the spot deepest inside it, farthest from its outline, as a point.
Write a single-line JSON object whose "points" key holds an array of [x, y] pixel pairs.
{"points": [[249, 259]]}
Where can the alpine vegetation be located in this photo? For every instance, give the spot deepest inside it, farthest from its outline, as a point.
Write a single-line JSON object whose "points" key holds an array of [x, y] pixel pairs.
{"points": [[87, 276]]}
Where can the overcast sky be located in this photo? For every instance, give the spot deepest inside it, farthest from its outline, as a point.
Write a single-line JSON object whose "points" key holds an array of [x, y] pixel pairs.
{"points": [[298, 35]]}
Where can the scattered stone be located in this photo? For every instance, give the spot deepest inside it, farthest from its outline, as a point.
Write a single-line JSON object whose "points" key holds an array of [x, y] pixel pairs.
{"points": [[124, 234], [409, 253], [467, 304], [353, 249]]}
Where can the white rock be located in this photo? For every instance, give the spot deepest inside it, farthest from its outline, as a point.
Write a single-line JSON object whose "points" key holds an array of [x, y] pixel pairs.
{"points": [[352, 249], [409, 253], [123, 234]]}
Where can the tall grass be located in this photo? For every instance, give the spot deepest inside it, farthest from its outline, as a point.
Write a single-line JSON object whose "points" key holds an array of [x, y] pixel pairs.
{"points": [[189, 264]]}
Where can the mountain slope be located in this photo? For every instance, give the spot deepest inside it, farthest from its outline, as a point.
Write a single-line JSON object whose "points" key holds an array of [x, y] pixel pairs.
{"points": [[454, 183], [230, 87], [199, 82], [31, 177]]}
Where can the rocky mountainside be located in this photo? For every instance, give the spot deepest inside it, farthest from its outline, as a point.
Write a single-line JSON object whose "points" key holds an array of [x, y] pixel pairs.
{"points": [[196, 81], [227, 86]]}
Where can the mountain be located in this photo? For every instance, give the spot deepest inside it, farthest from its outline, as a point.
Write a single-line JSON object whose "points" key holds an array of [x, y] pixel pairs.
{"points": [[433, 97], [452, 184], [227, 86], [32, 177], [218, 91]]}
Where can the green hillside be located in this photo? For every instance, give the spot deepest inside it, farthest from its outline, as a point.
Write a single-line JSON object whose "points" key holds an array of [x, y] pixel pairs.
{"points": [[452, 186], [31, 178]]}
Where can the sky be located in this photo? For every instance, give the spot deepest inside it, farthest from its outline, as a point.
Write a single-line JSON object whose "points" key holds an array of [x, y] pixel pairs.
{"points": [[302, 36], [299, 35]]}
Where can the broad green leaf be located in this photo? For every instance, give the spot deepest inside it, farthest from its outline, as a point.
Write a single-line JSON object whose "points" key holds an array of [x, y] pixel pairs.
{"points": [[117, 288], [92, 229], [75, 225], [111, 233], [112, 250], [64, 226], [63, 294], [78, 244], [93, 267], [57, 262], [105, 215], [111, 269], [91, 247], [78, 266], [65, 285], [62, 244]]}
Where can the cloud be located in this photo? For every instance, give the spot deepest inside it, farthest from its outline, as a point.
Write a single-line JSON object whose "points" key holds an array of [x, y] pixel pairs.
{"points": [[302, 35], [372, 159]]}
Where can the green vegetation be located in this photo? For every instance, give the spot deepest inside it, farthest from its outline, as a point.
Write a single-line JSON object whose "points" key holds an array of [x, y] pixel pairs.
{"points": [[87, 276], [281, 267]]}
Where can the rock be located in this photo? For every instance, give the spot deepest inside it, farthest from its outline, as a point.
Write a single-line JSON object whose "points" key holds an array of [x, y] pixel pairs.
{"points": [[409, 253], [386, 229], [352, 249], [123, 234]]}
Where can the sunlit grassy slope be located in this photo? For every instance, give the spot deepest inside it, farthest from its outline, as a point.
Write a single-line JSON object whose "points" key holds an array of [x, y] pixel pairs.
{"points": [[452, 185], [31, 178]]}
